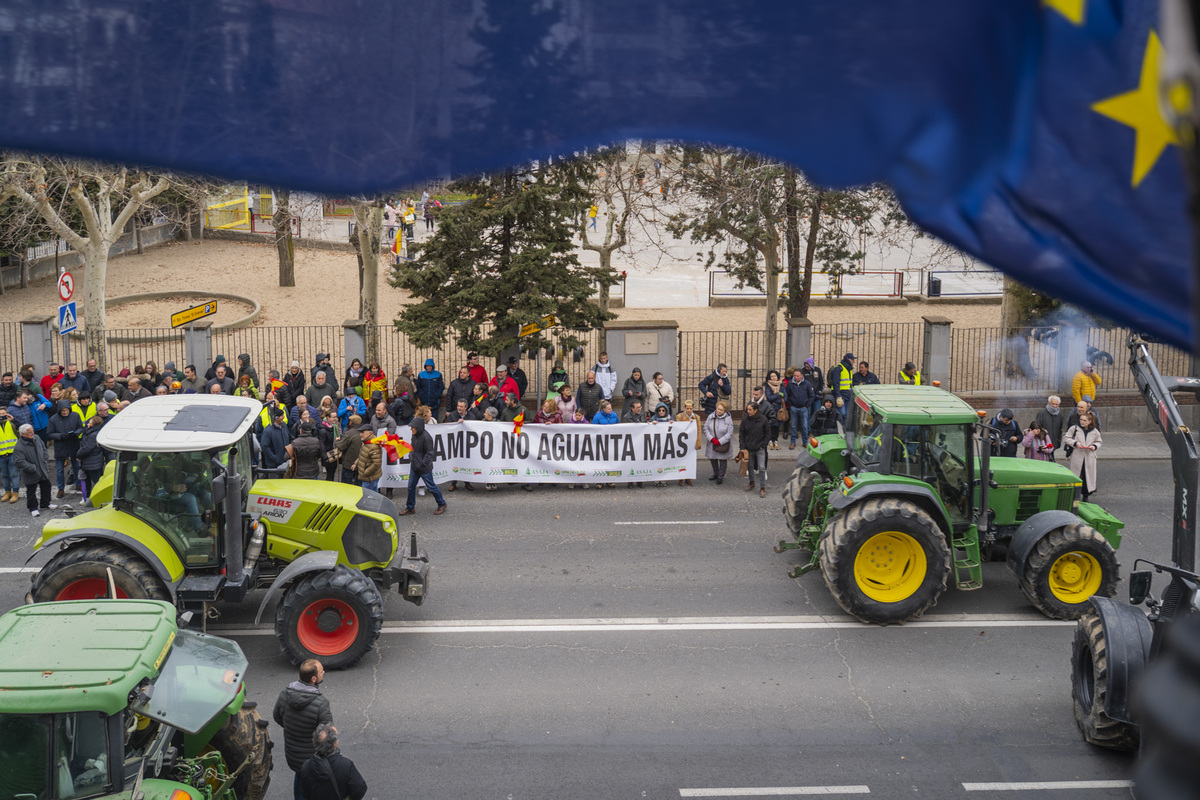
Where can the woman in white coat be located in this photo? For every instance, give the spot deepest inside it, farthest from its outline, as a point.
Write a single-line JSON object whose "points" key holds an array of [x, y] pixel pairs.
{"points": [[1084, 439], [719, 428]]}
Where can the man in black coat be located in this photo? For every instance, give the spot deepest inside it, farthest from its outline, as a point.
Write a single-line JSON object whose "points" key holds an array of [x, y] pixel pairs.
{"points": [[461, 388], [329, 775], [517, 374], [753, 435], [274, 441], [1005, 442], [300, 710], [420, 467], [29, 457], [714, 387]]}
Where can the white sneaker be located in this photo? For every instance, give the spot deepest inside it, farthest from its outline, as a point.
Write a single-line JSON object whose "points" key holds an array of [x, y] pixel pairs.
{"points": [[35, 513], [420, 491], [52, 506]]}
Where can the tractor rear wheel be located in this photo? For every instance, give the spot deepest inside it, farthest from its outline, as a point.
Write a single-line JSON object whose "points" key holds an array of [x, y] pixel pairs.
{"points": [[1068, 566], [797, 494], [244, 737], [885, 560], [1089, 688], [81, 573], [334, 616]]}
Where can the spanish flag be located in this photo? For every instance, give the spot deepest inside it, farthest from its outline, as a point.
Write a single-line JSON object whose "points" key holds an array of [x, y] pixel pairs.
{"points": [[277, 384], [479, 399], [396, 243], [518, 420], [393, 444]]}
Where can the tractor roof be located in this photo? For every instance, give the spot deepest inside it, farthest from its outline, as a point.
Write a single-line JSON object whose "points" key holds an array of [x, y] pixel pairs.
{"points": [[81, 655], [915, 405], [180, 423]]}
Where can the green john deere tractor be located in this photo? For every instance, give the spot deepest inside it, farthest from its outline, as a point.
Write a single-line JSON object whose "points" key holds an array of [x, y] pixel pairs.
{"points": [[909, 498], [188, 523], [109, 698]]}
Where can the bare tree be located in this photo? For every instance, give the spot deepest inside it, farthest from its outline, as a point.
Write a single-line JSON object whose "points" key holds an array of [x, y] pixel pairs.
{"points": [[105, 198], [281, 220]]}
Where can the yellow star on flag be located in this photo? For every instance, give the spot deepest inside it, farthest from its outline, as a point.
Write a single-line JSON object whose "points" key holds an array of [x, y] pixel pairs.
{"points": [[1139, 110], [1071, 9]]}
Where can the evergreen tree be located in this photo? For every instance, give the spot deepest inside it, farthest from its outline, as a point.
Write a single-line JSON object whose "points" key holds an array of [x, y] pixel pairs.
{"points": [[500, 261]]}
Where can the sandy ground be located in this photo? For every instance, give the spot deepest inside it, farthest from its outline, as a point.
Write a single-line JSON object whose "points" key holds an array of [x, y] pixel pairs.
{"points": [[326, 293]]}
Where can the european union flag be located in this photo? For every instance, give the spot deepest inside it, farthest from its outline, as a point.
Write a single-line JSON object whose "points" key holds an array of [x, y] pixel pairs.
{"points": [[1025, 132]]}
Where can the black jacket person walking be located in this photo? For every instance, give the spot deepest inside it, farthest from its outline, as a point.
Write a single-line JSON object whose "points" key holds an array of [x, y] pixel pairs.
{"points": [[300, 709], [420, 467]]}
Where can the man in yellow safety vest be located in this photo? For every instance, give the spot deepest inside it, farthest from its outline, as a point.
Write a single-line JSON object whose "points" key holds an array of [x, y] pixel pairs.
{"points": [[910, 374], [10, 479]]}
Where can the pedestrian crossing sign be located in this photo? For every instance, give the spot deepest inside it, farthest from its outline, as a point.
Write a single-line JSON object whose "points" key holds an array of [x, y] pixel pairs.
{"points": [[67, 320]]}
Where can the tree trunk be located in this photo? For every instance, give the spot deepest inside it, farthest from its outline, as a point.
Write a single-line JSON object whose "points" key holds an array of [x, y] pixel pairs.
{"points": [[137, 236], [282, 222], [606, 265], [188, 212], [369, 224], [199, 223], [810, 252], [24, 262], [792, 232], [771, 283], [95, 274], [1016, 342]]}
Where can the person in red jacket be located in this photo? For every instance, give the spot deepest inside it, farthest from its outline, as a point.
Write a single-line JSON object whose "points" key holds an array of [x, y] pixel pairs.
{"points": [[505, 384], [476, 372]]}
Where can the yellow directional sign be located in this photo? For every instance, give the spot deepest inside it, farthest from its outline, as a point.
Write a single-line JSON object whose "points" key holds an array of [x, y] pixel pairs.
{"points": [[548, 321], [194, 313]]}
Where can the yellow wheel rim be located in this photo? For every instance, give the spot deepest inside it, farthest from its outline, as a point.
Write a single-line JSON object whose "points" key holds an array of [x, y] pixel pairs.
{"points": [[890, 567], [1075, 577]]}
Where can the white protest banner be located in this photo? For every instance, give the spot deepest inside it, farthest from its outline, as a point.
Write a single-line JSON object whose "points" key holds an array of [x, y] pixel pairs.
{"points": [[489, 452]]}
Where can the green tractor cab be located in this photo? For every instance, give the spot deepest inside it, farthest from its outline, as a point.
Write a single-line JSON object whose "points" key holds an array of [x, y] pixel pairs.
{"points": [[910, 497], [100, 696], [187, 522]]}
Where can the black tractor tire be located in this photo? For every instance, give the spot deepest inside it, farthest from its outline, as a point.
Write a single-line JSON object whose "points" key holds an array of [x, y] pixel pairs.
{"points": [[81, 573], [244, 737], [1089, 688], [333, 616], [910, 528], [797, 494], [1081, 549]]}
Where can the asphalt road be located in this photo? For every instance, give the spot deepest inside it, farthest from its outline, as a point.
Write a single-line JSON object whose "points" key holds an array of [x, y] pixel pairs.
{"points": [[648, 643]]}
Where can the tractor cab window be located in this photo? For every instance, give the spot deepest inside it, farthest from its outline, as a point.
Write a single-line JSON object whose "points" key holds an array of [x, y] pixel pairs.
{"points": [[944, 461], [173, 492], [868, 438], [906, 450], [64, 757]]}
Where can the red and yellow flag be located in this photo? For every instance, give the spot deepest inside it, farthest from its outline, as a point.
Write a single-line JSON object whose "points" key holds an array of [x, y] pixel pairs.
{"points": [[479, 399], [277, 384], [518, 420], [393, 444]]}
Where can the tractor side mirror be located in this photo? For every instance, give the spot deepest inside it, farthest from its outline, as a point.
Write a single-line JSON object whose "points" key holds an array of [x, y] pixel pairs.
{"points": [[1139, 586], [218, 489]]}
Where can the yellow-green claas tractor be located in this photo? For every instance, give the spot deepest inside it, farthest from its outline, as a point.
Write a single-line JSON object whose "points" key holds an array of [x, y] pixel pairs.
{"points": [[189, 523]]}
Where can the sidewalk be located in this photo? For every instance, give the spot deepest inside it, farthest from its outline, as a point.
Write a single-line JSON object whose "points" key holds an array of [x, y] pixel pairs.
{"points": [[1133, 446]]}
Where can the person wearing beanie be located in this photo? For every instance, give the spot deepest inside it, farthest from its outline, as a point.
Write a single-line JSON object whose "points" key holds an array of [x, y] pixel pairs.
{"points": [[305, 450], [294, 383], [245, 368], [431, 386], [841, 383], [1007, 436], [219, 361], [65, 428], [517, 374]]}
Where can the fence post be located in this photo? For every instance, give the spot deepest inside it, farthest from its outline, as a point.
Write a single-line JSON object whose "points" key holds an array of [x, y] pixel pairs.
{"points": [[197, 345], [935, 351], [799, 341], [1072, 351], [36, 340], [354, 341]]}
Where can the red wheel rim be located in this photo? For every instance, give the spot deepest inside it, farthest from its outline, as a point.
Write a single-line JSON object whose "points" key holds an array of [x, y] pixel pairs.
{"points": [[88, 589], [327, 627]]}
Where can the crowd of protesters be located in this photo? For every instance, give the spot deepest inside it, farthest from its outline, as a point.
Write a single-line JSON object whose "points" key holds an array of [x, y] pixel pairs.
{"points": [[317, 424]]}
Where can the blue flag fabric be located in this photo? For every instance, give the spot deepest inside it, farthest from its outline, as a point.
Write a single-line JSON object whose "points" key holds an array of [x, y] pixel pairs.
{"points": [[1013, 129]]}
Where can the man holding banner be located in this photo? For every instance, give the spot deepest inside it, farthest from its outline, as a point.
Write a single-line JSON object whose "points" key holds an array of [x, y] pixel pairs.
{"points": [[420, 468]]}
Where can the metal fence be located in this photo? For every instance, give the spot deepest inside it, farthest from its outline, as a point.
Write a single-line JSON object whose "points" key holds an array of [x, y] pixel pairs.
{"points": [[984, 360], [744, 352], [277, 347], [1110, 356], [12, 347], [886, 346]]}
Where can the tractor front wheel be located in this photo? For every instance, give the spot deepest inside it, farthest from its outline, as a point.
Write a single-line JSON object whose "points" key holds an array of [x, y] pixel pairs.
{"points": [[797, 496], [1089, 688], [243, 739], [334, 616], [885, 560], [81, 573], [1068, 566]]}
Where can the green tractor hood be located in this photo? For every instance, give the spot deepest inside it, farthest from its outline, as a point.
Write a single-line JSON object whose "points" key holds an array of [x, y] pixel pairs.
{"points": [[1028, 472]]}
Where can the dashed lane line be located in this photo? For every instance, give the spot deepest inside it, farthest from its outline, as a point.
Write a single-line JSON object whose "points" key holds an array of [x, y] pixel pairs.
{"points": [[774, 791], [1042, 786]]}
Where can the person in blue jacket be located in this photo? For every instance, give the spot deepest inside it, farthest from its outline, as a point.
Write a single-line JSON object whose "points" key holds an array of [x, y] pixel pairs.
{"points": [[351, 404], [799, 393], [606, 415], [39, 408], [430, 387]]}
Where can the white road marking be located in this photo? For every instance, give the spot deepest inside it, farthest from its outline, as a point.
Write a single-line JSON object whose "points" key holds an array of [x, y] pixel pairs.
{"points": [[15, 527], [15, 570], [646, 624], [1037, 786], [774, 791], [675, 522]]}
